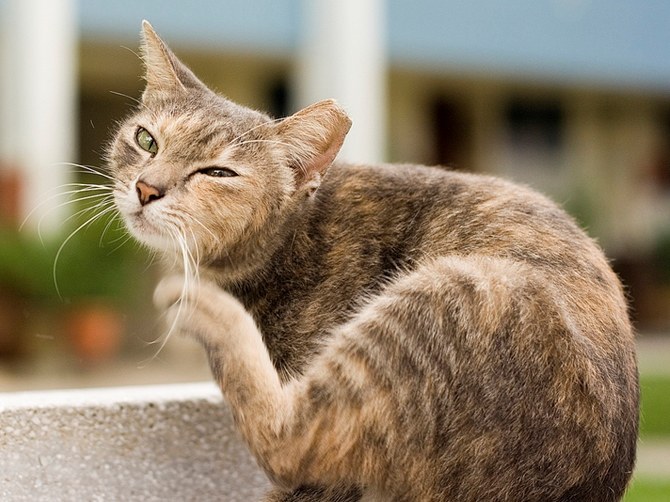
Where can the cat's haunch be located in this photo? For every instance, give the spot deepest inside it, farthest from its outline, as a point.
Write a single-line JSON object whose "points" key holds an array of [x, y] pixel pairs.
{"points": [[380, 332]]}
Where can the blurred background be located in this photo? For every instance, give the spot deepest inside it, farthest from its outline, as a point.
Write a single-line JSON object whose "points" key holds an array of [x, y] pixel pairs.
{"points": [[569, 96]]}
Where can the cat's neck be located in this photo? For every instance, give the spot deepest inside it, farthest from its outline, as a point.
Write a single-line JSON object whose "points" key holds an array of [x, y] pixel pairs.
{"points": [[253, 260]]}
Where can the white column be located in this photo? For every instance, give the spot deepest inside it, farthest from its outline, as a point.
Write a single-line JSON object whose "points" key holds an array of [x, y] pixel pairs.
{"points": [[39, 102], [8, 87], [343, 56]]}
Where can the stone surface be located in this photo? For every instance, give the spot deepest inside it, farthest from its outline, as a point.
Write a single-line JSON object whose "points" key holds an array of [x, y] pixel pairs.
{"points": [[168, 443]]}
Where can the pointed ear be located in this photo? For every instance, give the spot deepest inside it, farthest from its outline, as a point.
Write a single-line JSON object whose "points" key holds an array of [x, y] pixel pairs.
{"points": [[314, 136], [164, 72]]}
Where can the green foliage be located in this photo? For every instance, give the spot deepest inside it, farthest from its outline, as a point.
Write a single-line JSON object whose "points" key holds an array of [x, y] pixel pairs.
{"points": [[24, 264], [94, 263], [648, 490], [582, 206], [662, 256], [655, 408]]}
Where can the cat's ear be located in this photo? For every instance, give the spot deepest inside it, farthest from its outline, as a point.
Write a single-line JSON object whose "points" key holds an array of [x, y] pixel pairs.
{"points": [[314, 136], [164, 72]]}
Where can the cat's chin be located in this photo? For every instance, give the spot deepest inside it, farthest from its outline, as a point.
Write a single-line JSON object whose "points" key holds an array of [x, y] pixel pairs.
{"points": [[151, 237], [156, 242]]}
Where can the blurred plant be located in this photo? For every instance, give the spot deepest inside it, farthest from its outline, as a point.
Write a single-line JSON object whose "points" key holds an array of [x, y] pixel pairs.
{"points": [[96, 263], [582, 206], [662, 256]]}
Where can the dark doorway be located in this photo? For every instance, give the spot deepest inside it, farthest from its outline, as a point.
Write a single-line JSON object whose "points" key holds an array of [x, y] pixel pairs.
{"points": [[452, 133]]}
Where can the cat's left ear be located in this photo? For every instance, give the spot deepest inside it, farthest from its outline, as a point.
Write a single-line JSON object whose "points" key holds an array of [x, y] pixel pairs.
{"points": [[314, 136], [164, 72]]}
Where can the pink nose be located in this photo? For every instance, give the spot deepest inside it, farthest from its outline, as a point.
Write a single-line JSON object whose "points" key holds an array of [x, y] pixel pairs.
{"points": [[147, 193]]}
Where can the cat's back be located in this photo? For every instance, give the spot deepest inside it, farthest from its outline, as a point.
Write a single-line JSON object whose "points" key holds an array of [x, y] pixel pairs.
{"points": [[372, 224], [415, 212], [398, 216]]}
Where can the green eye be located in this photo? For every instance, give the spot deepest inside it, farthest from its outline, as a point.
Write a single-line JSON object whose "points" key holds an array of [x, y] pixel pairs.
{"points": [[146, 141]]}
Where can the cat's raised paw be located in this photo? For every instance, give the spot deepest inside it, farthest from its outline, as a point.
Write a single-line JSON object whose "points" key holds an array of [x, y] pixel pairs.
{"points": [[170, 291], [199, 308]]}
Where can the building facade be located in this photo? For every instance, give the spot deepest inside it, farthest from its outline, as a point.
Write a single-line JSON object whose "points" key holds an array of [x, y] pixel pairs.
{"points": [[569, 96]]}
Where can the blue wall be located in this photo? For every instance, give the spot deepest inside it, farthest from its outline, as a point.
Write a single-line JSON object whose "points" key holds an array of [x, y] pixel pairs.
{"points": [[270, 25], [611, 42], [624, 41]]}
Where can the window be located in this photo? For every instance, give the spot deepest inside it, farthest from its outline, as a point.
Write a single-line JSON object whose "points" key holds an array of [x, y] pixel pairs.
{"points": [[535, 124], [452, 133], [660, 169]]}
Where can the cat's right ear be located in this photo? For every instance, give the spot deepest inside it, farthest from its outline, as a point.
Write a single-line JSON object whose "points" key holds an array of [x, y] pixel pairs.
{"points": [[164, 72], [314, 136]]}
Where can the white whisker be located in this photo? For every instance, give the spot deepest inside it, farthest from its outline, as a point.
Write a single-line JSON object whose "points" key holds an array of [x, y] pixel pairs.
{"points": [[274, 121], [69, 237], [263, 141], [125, 240], [178, 237], [113, 217], [134, 100], [86, 169], [197, 220], [105, 202], [62, 194]]}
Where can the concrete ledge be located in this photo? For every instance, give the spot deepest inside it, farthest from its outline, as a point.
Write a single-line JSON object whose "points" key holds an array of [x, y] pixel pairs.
{"points": [[168, 442]]}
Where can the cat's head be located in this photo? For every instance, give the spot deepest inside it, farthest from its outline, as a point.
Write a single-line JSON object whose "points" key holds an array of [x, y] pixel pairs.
{"points": [[194, 171]]}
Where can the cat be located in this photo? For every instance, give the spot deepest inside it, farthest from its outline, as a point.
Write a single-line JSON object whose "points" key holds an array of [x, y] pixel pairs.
{"points": [[380, 332]]}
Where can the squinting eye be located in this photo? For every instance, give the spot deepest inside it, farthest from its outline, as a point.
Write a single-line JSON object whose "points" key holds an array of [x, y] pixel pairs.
{"points": [[218, 172], [146, 141]]}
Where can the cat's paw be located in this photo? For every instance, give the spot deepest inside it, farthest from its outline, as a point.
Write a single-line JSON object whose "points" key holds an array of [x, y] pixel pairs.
{"points": [[198, 308], [169, 291]]}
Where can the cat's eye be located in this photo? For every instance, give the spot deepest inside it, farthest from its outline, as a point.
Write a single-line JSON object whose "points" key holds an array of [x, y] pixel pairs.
{"points": [[218, 172], [146, 141]]}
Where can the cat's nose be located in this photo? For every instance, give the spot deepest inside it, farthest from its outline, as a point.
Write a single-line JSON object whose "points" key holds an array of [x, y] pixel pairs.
{"points": [[147, 193]]}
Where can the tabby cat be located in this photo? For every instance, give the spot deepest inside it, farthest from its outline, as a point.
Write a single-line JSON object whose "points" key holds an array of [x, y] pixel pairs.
{"points": [[381, 332]]}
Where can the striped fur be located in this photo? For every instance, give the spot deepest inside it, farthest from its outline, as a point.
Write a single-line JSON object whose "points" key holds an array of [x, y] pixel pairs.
{"points": [[389, 332]]}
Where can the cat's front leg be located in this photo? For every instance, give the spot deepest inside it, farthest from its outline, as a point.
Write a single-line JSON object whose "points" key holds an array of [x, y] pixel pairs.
{"points": [[238, 357], [299, 432]]}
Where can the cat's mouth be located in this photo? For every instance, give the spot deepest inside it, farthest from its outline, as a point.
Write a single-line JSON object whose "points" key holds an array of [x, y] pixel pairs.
{"points": [[147, 231], [146, 228]]}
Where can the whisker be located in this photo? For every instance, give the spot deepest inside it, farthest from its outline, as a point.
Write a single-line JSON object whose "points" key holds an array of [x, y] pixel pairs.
{"points": [[263, 141], [273, 121], [56, 195], [195, 260], [86, 210], [171, 234], [80, 186], [181, 241], [134, 100], [86, 169], [125, 240], [113, 217], [106, 201], [153, 256], [69, 237], [120, 227], [210, 232], [127, 96]]}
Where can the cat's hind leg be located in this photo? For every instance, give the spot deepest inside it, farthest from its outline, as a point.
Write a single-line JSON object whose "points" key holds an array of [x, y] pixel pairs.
{"points": [[371, 409], [460, 377]]}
